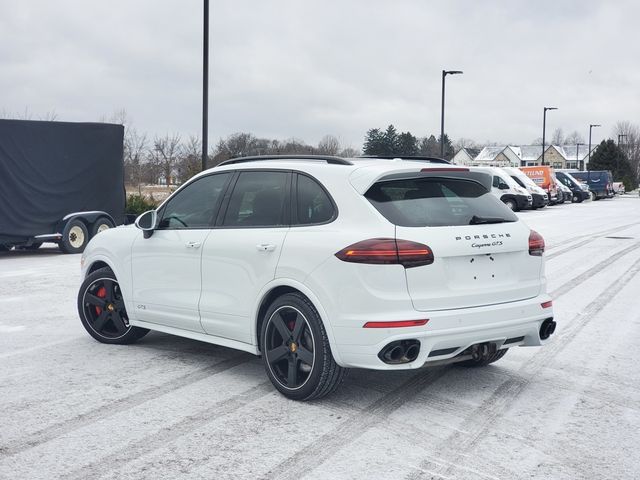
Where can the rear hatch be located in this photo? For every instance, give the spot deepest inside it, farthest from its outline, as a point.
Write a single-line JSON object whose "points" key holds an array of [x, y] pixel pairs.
{"points": [[480, 248]]}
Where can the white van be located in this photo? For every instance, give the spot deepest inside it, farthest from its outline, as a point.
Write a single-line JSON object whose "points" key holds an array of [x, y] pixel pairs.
{"points": [[539, 196], [508, 191]]}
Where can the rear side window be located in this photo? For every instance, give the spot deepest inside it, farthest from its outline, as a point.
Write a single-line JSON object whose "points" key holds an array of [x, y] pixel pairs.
{"points": [[258, 200], [313, 204], [437, 202]]}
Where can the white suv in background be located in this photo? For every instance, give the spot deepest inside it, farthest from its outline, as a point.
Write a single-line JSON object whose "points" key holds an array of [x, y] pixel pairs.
{"points": [[319, 264]]}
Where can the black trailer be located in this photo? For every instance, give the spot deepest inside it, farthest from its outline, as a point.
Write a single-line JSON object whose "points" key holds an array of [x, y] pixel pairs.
{"points": [[59, 182]]}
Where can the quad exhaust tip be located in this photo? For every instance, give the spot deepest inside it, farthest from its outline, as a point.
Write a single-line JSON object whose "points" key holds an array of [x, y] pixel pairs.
{"points": [[547, 328], [400, 351]]}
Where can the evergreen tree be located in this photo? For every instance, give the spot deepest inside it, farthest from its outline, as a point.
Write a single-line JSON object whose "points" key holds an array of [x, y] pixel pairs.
{"points": [[390, 141], [448, 148], [373, 142], [608, 156], [429, 147], [407, 145]]}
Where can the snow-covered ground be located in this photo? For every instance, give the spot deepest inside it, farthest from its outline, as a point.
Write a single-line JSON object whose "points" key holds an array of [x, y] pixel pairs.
{"points": [[174, 408]]}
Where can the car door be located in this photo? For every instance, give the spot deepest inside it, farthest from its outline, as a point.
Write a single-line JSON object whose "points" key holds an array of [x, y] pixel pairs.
{"points": [[166, 266], [241, 254]]}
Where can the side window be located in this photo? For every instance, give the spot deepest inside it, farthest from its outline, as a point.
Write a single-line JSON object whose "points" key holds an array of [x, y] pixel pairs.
{"points": [[313, 203], [195, 205], [496, 181], [258, 200]]}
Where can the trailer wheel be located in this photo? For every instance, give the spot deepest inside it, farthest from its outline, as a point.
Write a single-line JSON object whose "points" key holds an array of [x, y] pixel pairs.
{"points": [[74, 237], [101, 225]]}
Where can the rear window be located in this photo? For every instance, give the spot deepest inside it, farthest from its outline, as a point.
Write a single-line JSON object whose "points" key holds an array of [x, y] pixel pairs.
{"points": [[437, 202]]}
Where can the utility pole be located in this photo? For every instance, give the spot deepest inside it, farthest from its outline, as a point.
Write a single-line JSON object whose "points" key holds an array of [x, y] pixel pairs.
{"points": [[444, 74], [590, 128], [544, 127], [205, 85]]}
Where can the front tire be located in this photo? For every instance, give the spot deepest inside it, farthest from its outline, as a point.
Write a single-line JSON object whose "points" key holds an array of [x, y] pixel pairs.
{"points": [[513, 206], [74, 237], [102, 310], [295, 350]]}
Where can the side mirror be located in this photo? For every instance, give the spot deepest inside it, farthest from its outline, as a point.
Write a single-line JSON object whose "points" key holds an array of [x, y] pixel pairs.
{"points": [[503, 186], [147, 222]]}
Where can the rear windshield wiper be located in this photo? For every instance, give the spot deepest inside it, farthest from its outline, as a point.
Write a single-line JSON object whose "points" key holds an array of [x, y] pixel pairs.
{"points": [[476, 220]]}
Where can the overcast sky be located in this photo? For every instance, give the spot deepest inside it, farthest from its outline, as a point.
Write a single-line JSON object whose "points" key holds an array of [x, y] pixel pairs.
{"points": [[303, 69]]}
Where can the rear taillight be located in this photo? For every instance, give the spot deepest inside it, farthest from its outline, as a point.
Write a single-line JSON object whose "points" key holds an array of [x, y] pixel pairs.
{"points": [[547, 304], [536, 244], [387, 251]]}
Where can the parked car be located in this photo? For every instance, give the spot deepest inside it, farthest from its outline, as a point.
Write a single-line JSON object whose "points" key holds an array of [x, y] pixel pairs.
{"points": [[578, 191], [600, 182], [618, 188], [567, 195], [319, 264], [543, 177], [540, 198], [507, 190]]}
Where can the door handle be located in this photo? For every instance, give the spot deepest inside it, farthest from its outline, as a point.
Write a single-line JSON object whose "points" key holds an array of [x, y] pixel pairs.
{"points": [[266, 247], [193, 244]]}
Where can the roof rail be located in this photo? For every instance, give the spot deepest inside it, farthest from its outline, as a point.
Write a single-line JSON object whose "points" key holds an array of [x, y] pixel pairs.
{"points": [[259, 158], [415, 158]]}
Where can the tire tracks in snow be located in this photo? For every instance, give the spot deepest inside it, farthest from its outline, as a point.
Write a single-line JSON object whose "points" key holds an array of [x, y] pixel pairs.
{"points": [[584, 276], [471, 432], [165, 436], [323, 448], [120, 405], [592, 238]]}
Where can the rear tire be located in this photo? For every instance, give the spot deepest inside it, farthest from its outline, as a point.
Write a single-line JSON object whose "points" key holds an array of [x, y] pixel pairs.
{"points": [[101, 225], [295, 350], [102, 310], [74, 237], [483, 363]]}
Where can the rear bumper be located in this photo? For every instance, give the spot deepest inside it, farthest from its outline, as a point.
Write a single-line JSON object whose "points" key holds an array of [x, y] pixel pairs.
{"points": [[446, 334]]}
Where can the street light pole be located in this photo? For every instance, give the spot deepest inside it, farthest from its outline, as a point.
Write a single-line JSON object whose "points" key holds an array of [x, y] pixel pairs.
{"points": [[205, 85], [590, 128], [444, 74], [578, 161], [544, 127]]}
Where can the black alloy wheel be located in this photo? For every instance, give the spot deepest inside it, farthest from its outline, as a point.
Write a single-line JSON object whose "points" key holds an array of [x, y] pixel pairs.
{"points": [[295, 349], [102, 310], [289, 347]]}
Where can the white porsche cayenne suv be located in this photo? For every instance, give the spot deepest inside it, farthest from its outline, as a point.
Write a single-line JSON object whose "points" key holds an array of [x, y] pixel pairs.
{"points": [[321, 264]]}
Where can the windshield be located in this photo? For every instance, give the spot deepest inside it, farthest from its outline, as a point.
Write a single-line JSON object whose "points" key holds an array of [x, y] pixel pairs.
{"points": [[437, 202]]}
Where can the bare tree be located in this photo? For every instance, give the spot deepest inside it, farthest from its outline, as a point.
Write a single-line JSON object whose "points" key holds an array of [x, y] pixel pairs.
{"points": [[165, 153], [190, 159], [350, 152], [574, 138], [557, 138], [135, 146], [465, 143], [630, 143], [328, 145]]}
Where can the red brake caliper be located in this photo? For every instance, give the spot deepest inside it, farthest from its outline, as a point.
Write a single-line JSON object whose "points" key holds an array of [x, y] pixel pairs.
{"points": [[101, 293]]}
